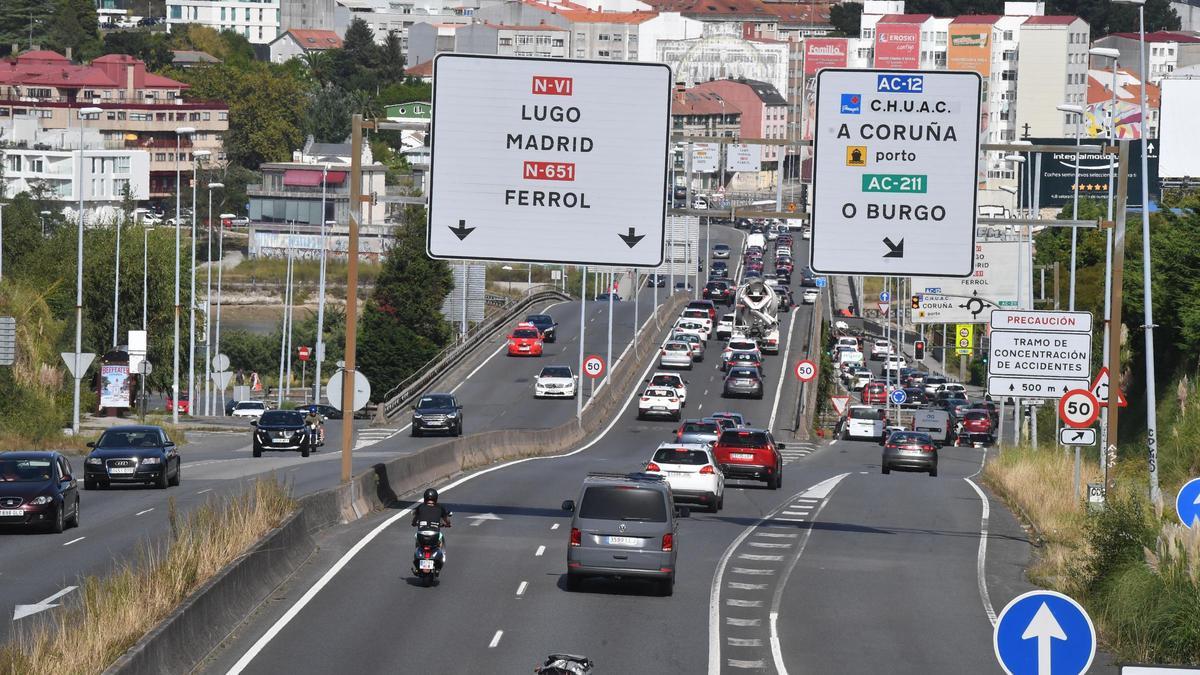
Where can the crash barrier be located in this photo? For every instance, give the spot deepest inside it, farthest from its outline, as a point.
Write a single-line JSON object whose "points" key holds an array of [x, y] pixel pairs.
{"points": [[403, 394], [207, 617]]}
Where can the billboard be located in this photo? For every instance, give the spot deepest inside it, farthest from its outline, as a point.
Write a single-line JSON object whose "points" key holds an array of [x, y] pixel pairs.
{"points": [[898, 45], [1181, 144], [825, 53], [114, 386], [1058, 174], [1129, 118], [706, 157], [970, 48]]}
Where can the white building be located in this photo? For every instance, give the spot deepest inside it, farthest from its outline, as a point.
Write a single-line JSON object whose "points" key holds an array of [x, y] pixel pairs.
{"points": [[722, 53], [1052, 70], [296, 42], [50, 159], [258, 20]]}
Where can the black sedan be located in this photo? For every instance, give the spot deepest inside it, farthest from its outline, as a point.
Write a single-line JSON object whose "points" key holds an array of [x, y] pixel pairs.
{"points": [[132, 454], [544, 323], [437, 412], [327, 411], [282, 430], [742, 381], [38, 489]]}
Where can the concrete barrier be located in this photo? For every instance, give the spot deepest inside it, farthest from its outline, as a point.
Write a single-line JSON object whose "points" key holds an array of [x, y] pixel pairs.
{"points": [[203, 621]]}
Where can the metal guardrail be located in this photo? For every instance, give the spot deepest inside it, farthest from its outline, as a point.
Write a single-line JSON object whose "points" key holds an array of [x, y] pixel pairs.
{"points": [[403, 393]]}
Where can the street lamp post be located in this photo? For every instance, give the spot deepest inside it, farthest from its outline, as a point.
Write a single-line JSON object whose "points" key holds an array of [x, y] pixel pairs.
{"points": [[1018, 162], [321, 291], [197, 157], [220, 270], [116, 285], [179, 134], [2, 205], [145, 260], [1109, 53], [1077, 111], [83, 113], [208, 388]]}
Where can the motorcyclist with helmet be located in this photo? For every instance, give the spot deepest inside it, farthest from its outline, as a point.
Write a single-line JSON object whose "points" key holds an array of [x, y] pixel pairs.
{"points": [[430, 511]]}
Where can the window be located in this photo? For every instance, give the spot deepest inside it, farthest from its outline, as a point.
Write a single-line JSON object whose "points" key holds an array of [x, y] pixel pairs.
{"points": [[121, 164], [505, 42], [43, 114], [247, 13], [222, 15], [1008, 35], [160, 156], [140, 117], [603, 37], [38, 92], [260, 18], [260, 32], [36, 165], [1009, 55], [194, 117], [176, 11], [120, 185], [14, 163], [223, 115], [557, 42], [603, 53]]}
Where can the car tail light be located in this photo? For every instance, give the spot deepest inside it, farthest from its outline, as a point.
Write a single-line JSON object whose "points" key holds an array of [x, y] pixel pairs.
{"points": [[927, 448], [576, 537], [673, 400], [892, 446], [668, 541], [678, 433], [707, 469], [664, 353], [652, 467]]}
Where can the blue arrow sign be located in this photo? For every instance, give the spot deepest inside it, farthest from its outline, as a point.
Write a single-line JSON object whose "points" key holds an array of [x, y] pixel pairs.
{"points": [[884, 296], [898, 396], [1187, 502], [1044, 633], [820, 282]]}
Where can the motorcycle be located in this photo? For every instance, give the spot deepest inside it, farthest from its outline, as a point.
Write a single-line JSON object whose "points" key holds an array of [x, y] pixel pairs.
{"points": [[430, 554], [565, 664]]}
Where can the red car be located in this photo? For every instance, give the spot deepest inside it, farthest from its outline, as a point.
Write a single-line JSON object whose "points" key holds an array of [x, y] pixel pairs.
{"points": [[184, 404], [525, 340], [976, 427], [875, 392], [752, 454]]}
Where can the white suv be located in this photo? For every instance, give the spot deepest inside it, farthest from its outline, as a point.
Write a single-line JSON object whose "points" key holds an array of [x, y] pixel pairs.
{"points": [[692, 473], [660, 402], [880, 350], [671, 380]]}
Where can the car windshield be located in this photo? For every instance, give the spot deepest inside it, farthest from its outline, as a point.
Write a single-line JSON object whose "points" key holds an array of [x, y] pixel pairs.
{"points": [[539, 319], [665, 380], [282, 417], [681, 456], [140, 438], [525, 333], [909, 437], [24, 470], [622, 502], [865, 414], [436, 402], [250, 405], [744, 439], [556, 371], [743, 372], [677, 346], [699, 427]]}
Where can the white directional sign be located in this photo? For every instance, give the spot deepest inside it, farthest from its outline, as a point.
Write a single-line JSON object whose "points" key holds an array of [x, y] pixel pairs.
{"points": [[706, 157], [1069, 436], [992, 285], [566, 166], [1039, 354], [743, 157], [896, 155]]}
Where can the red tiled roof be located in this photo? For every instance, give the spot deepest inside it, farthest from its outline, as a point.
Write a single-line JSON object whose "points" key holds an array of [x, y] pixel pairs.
{"points": [[420, 70], [977, 19], [581, 14], [1051, 20], [692, 102], [42, 55], [49, 69], [796, 13], [310, 40], [904, 18], [751, 8], [1160, 36]]}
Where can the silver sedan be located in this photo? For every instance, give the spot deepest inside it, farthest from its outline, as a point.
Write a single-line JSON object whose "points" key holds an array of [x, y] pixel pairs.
{"points": [[676, 354]]}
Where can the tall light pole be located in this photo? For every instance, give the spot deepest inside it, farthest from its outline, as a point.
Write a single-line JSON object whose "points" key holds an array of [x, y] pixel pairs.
{"points": [[1147, 292], [83, 114], [320, 347], [197, 157], [1109, 53], [208, 388], [179, 134], [220, 270], [1077, 111], [145, 260], [1018, 163], [116, 285], [2, 205]]}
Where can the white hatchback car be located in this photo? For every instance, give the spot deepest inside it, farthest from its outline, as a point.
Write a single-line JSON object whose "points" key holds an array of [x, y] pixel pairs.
{"points": [[880, 349], [692, 326], [660, 402], [725, 326], [673, 380], [675, 354], [692, 473], [810, 296], [556, 382], [700, 316], [253, 409]]}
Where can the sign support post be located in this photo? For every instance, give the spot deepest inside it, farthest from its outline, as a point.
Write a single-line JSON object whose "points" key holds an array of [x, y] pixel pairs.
{"points": [[1109, 452]]}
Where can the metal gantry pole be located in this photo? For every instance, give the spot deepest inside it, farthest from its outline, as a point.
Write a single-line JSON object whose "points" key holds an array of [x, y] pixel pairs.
{"points": [[208, 388], [217, 337], [78, 374], [321, 294], [116, 285], [192, 298], [1074, 213], [582, 334], [1108, 266], [1147, 290], [608, 353], [145, 270]]}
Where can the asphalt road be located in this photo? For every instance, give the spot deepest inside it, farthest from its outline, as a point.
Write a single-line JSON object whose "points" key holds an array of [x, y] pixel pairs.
{"points": [[116, 522], [843, 570]]}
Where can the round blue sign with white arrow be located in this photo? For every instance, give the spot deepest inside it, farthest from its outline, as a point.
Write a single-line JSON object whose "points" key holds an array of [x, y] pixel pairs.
{"points": [[884, 296], [1044, 633], [898, 396], [1187, 502]]}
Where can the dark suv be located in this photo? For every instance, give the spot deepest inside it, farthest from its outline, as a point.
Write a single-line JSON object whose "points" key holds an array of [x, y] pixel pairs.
{"points": [[624, 527], [544, 323], [281, 430], [38, 489], [750, 453], [132, 454], [437, 412]]}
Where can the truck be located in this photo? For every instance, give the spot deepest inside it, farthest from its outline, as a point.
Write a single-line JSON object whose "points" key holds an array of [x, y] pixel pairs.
{"points": [[757, 311]]}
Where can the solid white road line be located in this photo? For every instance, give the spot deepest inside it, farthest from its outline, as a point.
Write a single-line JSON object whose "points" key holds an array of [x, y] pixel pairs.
{"points": [[293, 611], [521, 588], [783, 372], [74, 540], [495, 639], [981, 558], [204, 490], [144, 512], [540, 551]]}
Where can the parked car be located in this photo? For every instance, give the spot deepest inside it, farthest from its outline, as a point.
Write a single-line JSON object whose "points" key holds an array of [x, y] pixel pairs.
{"points": [[437, 412], [38, 490], [624, 527], [910, 451], [132, 454], [691, 471], [752, 454]]}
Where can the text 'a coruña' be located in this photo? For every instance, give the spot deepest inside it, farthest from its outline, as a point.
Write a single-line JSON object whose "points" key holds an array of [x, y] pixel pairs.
{"points": [[902, 132]]}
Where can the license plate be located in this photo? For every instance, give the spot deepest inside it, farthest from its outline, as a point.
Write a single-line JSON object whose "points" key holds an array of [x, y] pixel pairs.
{"points": [[659, 407], [280, 441], [122, 469], [624, 541], [679, 473], [426, 564], [742, 455], [11, 513]]}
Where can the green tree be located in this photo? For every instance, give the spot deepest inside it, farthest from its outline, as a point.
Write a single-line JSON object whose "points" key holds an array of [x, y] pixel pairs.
{"points": [[75, 26], [152, 48], [327, 116], [845, 17], [25, 22], [402, 325], [391, 58]]}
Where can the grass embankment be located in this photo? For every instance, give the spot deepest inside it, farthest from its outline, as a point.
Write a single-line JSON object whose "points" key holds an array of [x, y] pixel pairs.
{"points": [[115, 611], [303, 271], [1134, 567]]}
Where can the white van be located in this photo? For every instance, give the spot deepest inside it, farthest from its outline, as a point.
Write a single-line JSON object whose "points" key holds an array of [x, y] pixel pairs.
{"points": [[758, 240], [864, 422], [935, 422], [848, 357]]}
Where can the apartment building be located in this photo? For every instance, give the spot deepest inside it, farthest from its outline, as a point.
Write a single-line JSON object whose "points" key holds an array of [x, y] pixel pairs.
{"points": [[257, 20], [723, 53], [1052, 70], [703, 113], [318, 173], [296, 42], [763, 110], [1166, 52], [139, 110]]}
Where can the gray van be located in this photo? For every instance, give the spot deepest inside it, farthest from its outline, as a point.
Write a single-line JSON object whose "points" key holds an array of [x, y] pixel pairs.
{"points": [[624, 527]]}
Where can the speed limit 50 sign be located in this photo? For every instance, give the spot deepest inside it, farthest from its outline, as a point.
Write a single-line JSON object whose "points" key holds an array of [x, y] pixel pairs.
{"points": [[1078, 408], [593, 366]]}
